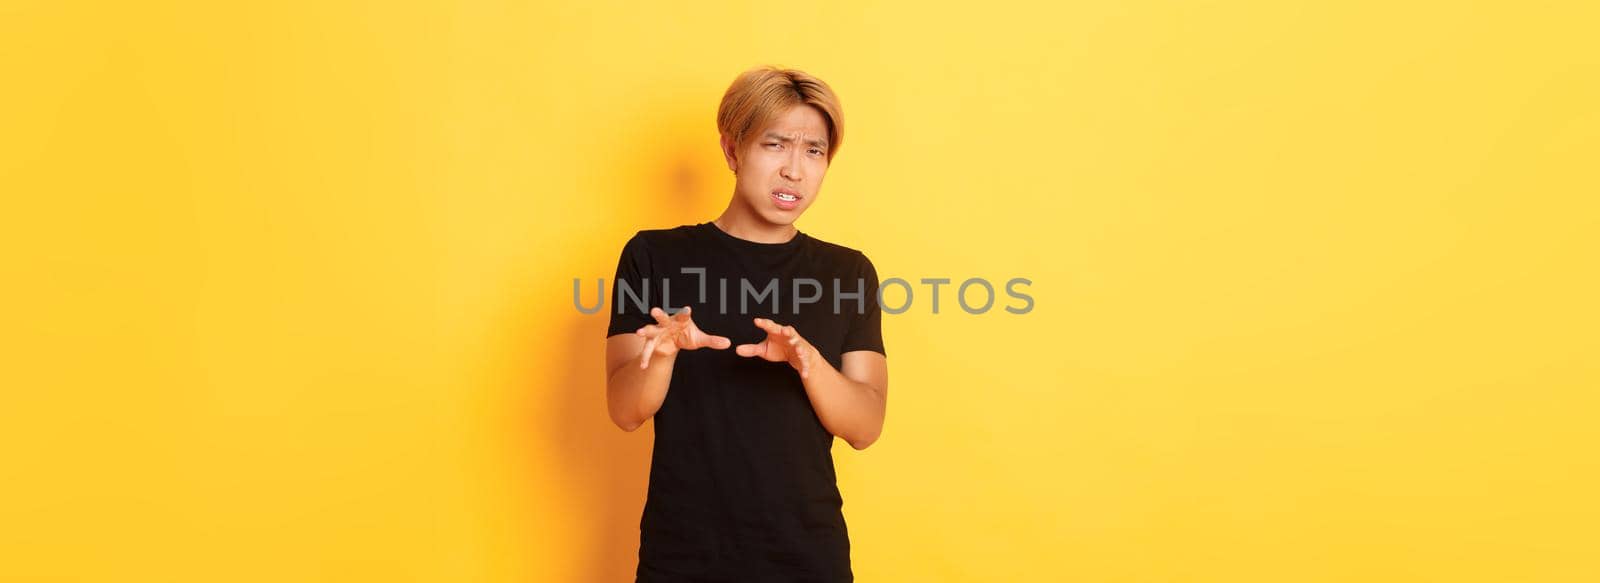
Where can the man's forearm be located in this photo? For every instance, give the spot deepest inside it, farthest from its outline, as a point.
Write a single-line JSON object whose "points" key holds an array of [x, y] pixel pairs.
{"points": [[634, 394], [850, 409]]}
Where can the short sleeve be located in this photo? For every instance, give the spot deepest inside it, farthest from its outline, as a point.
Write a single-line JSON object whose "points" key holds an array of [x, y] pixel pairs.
{"points": [[866, 329], [631, 299]]}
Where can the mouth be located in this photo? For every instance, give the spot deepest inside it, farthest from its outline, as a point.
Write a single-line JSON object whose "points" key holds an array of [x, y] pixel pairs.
{"points": [[785, 198]]}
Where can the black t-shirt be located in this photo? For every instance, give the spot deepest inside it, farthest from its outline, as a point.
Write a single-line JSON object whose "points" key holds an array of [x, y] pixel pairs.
{"points": [[742, 484]]}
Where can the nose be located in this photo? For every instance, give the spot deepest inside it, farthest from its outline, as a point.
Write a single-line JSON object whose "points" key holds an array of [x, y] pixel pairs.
{"points": [[791, 167]]}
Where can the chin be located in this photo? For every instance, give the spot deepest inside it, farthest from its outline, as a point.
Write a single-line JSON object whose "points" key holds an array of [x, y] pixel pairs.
{"points": [[781, 218]]}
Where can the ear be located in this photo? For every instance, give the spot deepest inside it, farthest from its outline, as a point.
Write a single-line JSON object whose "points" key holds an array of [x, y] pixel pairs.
{"points": [[730, 153]]}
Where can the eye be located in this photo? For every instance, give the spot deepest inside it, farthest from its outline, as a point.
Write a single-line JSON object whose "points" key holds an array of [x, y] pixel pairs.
{"points": [[816, 152], [770, 144]]}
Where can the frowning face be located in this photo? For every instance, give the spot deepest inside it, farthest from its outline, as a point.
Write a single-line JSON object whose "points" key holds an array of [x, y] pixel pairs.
{"points": [[779, 168]]}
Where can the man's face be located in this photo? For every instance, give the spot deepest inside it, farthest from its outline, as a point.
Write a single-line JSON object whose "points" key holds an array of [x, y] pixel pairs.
{"points": [[779, 168]]}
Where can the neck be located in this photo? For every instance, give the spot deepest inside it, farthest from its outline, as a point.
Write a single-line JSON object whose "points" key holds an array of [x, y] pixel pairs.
{"points": [[745, 224]]}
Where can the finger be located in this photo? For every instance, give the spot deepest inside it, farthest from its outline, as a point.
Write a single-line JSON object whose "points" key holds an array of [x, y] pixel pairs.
{"points": [[690, 339], [682, 315], [805, 362], [660, 316], [768, 326], [649, 348], [751, 350], [789, 331], [718, 342]]}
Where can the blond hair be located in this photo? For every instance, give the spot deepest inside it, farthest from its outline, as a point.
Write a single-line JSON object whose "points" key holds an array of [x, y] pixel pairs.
{"points": [[761, 94]]}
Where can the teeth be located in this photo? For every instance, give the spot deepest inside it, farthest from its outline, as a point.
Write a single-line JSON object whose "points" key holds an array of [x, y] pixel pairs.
{"points": [[786, 197]]}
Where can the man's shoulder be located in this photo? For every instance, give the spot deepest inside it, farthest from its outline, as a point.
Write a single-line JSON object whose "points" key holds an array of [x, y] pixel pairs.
{"points": [[830, 247], [838, 253], [662, 236]]}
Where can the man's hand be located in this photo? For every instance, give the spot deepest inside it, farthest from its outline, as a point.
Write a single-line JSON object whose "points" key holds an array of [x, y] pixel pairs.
{"points": [[783, 344], [669, 335]]}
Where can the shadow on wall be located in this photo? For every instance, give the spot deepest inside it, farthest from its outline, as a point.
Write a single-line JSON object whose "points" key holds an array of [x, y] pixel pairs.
{"points": [[602, 470]]}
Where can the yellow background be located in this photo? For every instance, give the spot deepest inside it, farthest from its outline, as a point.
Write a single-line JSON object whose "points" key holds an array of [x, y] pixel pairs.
{"points": [[288, 286]]}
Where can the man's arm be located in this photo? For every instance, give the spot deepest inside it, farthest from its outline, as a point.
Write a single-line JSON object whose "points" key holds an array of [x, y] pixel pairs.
{"points": [[639, 365], [851, 403], [634, 394]]}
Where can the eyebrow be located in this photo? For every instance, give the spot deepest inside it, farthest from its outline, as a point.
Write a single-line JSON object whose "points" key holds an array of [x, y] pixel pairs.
{"points": [[820, 143]]}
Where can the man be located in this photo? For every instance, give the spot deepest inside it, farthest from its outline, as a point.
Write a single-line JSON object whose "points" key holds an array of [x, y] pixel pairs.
{"points": [[776, 350]]}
